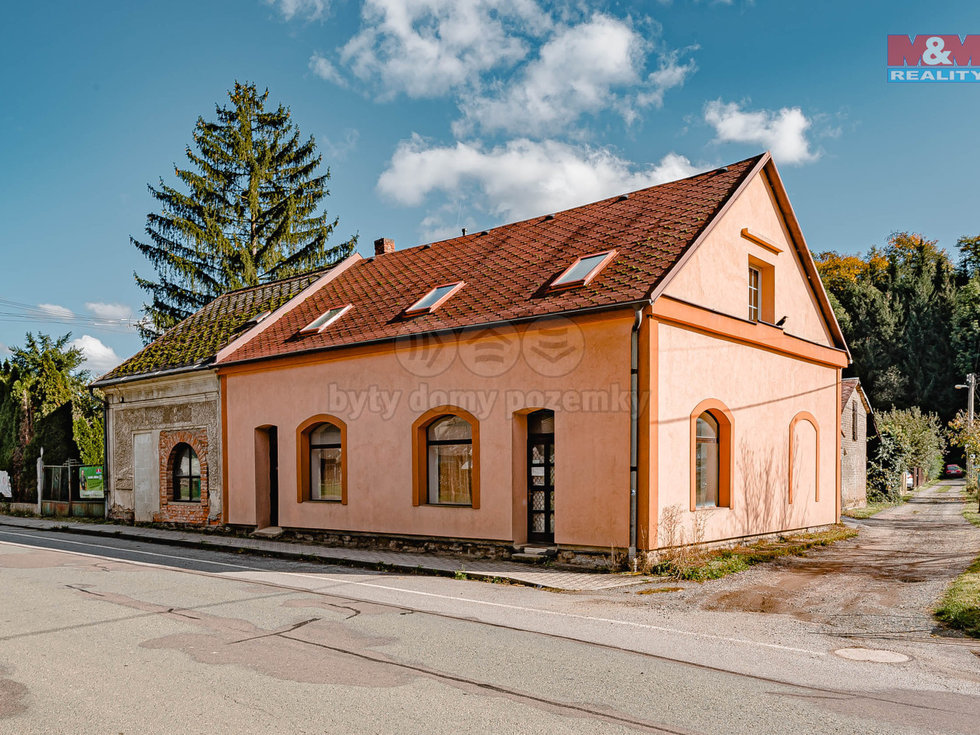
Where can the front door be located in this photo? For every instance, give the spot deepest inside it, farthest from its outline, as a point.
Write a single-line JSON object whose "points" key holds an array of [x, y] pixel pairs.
{"points": [[541, 477], [273, 476]]}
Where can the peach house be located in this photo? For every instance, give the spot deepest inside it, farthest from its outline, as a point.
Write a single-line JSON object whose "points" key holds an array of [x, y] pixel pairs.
{"points": [[656, 368]]}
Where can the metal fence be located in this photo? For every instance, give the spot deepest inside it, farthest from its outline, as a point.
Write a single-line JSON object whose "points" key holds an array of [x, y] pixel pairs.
{"points": [[71, 489], [56, 483]]}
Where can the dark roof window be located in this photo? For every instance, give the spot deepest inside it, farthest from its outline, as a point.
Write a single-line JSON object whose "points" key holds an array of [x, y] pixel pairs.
{"points": [[434, 299], [325, 319], [583, 270]]}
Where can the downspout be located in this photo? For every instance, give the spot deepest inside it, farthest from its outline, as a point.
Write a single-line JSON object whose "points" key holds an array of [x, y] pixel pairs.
{"points": [[634, 426]]}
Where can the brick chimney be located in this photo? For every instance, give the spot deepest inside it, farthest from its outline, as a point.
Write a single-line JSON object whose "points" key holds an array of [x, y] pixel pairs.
{"points": [[384, 245]]}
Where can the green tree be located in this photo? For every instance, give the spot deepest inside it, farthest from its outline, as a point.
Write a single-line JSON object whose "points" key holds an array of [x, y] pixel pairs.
{"points": [[896, 307], [908, 439], [247, 211], [44, 403]]}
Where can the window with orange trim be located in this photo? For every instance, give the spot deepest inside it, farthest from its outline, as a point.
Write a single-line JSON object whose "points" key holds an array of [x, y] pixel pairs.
{"points": [[711, 456], [446, 458], [321, 455]]}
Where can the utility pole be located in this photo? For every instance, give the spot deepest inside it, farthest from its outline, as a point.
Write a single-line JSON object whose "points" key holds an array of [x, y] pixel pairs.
{"points": [[971, 385]]}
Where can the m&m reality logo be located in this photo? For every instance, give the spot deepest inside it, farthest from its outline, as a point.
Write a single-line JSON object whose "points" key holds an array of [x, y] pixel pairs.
{"points": [[938, 58]]}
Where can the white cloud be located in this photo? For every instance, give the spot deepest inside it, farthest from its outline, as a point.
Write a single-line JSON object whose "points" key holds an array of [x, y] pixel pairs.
{"points": [[520, 179], [575, 73], [783, 132], [427, 48], [111, 312], [59, 312], [4, 351], [338, 150], [309, 9], [99, 357], [670, 73], [324, 69]]}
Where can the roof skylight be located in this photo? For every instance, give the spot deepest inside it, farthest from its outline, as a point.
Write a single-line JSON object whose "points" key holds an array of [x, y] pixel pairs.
{"points": [[434, 299], [325, 320], [583, 270]]}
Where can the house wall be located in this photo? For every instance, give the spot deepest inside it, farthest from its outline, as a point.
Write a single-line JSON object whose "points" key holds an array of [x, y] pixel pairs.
{"points": [[580, 369], [765, 376], [151, 416], [764, 392], [854, 454]]}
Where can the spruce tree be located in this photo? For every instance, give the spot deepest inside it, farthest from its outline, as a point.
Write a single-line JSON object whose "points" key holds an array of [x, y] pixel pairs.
{"points": [[247, 212]]}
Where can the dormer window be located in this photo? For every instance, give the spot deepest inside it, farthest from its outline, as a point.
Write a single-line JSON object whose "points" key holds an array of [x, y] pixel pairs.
{"points": [[583, 270], [434, 299], [325, 319]]}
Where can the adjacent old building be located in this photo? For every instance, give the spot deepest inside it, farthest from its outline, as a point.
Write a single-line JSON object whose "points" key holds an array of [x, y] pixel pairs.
{"points": [[854, 420], [164, 461]]}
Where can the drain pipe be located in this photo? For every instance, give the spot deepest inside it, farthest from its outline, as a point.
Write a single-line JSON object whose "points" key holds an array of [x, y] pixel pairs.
{"points": [[634, 426]]}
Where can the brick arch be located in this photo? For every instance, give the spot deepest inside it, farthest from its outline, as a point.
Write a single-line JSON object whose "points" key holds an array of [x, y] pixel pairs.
{"points": [[179, 511]]}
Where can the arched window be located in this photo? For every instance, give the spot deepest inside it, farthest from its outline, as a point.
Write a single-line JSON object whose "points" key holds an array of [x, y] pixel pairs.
{"points": [[186, 468], [706, 461], [326, 463], [449, 461], [711, 455]]}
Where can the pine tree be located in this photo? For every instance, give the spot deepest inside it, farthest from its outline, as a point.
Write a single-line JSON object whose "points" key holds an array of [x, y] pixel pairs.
{"points": [[248, 213]]}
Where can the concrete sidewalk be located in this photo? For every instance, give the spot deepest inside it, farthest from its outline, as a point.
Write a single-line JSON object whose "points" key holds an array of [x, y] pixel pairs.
{"points": [[487, 569]]}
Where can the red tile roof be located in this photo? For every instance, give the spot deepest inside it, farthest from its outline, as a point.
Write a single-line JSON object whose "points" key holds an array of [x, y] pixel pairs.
{"points": [[507, 269]]}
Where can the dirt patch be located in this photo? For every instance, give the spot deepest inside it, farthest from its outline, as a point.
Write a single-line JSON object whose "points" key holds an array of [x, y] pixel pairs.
{"points": [[884, 582], [13, 696], [315, 650]]}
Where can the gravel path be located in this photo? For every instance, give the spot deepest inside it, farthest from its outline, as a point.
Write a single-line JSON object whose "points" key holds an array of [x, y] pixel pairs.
{"points": [[883, 583]]}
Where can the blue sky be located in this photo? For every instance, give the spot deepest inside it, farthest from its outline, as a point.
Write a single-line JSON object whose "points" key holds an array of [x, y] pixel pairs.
{"points": [[440, 114]]}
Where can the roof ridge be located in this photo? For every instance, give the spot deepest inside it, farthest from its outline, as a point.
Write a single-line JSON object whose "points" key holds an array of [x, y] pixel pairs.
{"points": [[716, 169], [304, 274]]}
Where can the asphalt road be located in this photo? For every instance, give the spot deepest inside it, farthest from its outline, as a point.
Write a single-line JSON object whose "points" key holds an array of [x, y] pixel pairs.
{"points": [[113, 636]]}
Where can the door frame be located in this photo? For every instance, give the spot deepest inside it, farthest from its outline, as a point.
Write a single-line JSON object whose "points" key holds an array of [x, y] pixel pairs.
{"points": [[548, 440]]}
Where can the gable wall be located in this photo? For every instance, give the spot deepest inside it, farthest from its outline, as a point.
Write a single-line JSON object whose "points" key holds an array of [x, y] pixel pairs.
{"points": [[716, 274], [854, 454]]}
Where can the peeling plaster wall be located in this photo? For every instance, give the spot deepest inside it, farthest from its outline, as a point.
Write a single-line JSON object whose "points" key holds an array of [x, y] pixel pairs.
{"points": [[179, 403]]}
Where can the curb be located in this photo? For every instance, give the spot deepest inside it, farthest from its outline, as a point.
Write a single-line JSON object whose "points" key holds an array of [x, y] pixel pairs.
{"points": [[378, 566]]}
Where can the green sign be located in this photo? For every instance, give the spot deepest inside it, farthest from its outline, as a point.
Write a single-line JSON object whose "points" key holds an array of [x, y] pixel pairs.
{"points": [[90, 482]]}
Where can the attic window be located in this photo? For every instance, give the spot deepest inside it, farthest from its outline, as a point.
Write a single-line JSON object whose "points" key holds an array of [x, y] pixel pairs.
{"points": [[253, 321], [583, 270], [325, 320], [434, 299]]}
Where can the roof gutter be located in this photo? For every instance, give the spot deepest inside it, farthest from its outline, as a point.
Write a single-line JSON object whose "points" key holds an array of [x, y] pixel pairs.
{"points": [[447, 330], [203, 365]]}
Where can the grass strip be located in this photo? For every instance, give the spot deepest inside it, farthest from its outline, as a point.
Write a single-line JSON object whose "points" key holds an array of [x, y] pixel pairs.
{"points": [[960, 606], [701, 565]]}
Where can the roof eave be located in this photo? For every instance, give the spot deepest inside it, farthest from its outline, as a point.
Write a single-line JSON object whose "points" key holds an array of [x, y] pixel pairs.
{"points": [[463, 328], [197, 367]]}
